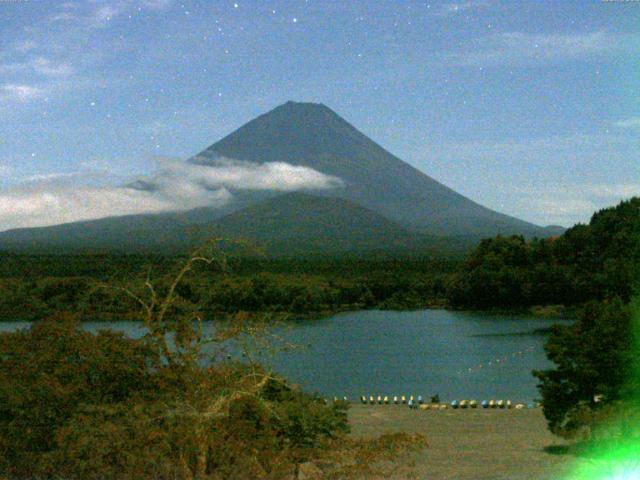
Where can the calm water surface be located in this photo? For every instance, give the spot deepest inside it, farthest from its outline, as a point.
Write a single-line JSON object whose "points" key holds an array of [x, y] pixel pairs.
{"points": [[455, 354]]}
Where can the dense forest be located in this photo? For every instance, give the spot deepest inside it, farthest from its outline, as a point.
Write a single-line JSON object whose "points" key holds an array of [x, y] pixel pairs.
{"points": [[104, 406], [597, 261], [593, 391], [588, 262], [34, 286], [79, 405], [85, 406]]}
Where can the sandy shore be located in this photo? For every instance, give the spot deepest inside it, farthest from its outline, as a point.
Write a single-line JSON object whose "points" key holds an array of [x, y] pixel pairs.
{"points": [[471, 444]]}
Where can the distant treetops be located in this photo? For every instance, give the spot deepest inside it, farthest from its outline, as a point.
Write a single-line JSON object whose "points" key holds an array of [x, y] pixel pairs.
{"points": [[597, 261]]}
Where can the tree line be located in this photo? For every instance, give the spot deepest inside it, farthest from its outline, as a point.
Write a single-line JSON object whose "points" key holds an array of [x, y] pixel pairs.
{"points": [[594, 269], [288, 287], [78, 405], [598, 261]]}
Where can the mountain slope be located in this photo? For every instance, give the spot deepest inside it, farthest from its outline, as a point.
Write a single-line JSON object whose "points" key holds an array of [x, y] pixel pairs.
{"points": [[164, 232], [384, 203], [285, 225], [298, 222], [312, 135]]}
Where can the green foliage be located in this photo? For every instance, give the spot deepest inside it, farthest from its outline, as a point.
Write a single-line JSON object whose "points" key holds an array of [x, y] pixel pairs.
{"points": [[594, 359], [85, 406], [289, 287], [50, 370], [76, 405], [595, 266], [588, 262]]}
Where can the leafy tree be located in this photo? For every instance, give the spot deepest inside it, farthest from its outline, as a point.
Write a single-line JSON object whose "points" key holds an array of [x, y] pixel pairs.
{"points": [[76, 405], [48, 372], [593, 361], [588, 262]]}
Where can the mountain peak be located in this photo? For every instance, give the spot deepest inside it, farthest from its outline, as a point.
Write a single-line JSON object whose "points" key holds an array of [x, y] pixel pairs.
{"points": [[293, 132], [303, 105], [293, 110], [314, 136], [383, 198]]}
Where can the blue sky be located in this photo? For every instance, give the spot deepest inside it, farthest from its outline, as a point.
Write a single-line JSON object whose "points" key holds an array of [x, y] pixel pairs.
{"points": [[530, 108]]}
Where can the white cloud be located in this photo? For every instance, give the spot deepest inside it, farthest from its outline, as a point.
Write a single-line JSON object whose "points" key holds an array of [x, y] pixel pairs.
{"points": [[46, 67], [460, 7], [158, 4], [255, 176], [26, 46], [99, 15], [63, 17], [571, 203], [40, 65], [11, 92], [51, 205], [631, 123], [60, 198], [518, 48], [62, 57], [535, 178], [155, 128], [59, 49], [104, 14], [611, 191]]}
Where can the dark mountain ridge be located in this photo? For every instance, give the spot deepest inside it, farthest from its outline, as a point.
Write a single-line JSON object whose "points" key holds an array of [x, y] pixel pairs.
{"points": [[314, 136], [291, 224], [384, 202]]}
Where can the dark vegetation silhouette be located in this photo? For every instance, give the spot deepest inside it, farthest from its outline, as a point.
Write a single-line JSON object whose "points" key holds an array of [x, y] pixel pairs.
{"points": [[598, 261], [35, 286], [78, 405], [104, 404], [593, 390]]}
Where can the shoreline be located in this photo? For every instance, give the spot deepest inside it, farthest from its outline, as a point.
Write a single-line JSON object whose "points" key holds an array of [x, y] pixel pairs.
{"points": [[551, 312]]}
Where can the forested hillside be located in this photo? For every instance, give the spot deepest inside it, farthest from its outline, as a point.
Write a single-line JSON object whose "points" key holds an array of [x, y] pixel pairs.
{"points": [[588, 262], [594, 389], [35, 286]]}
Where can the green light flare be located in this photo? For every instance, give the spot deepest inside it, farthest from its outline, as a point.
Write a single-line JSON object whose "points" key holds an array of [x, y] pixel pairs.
{"points": [[635, 328], [619, 460], [618, 457]]}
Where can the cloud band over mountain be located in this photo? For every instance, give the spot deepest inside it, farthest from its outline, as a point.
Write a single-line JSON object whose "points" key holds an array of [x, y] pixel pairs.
{"points": [[54, 199]]}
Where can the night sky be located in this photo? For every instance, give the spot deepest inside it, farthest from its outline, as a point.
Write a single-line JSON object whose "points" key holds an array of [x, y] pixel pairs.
{"points": [[529, 108]]}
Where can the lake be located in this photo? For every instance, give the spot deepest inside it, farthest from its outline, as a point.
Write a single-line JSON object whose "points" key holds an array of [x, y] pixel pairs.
{"points": [[455, 354]]}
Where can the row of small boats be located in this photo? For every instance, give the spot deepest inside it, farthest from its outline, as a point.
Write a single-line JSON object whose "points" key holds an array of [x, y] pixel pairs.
{"points": [[455, 404]]}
